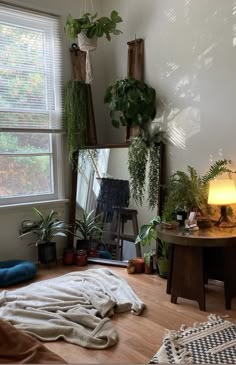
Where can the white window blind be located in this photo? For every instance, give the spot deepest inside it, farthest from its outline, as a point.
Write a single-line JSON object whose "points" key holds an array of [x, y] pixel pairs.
{"points": [[30, 72]]}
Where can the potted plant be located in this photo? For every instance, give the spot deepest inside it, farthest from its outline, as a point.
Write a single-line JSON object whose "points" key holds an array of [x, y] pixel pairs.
{"points": [[92, 26], [75, 115], [131, 102], [163, 258], [88, 29], [189, 191], [89, 226], [144, 151], [45, 230], [147, 235]]}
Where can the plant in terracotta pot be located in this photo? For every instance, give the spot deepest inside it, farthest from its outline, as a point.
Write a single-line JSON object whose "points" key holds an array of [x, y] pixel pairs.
{"points": [[45, 229], [88, 227]]}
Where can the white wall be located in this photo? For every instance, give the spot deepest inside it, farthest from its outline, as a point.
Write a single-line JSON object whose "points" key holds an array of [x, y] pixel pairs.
{"points": [[11, 247], [190, 59]]}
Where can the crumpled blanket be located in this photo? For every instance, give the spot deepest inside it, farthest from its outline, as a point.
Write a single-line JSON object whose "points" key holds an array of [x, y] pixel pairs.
{"points": [[75, 307]]}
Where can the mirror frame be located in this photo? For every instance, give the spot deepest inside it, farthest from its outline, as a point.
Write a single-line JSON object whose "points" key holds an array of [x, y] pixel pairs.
{"points": [[72, 208]]}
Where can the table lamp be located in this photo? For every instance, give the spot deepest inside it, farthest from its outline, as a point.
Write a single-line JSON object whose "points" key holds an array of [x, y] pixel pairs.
{"points": [[222, 193]]}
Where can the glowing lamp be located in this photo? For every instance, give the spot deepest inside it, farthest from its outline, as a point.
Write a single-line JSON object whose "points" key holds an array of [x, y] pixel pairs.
{"points": [[222, 193]]}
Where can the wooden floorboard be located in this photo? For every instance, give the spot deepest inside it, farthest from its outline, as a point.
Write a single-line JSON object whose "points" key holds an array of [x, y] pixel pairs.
{"points": [[141, 336]]}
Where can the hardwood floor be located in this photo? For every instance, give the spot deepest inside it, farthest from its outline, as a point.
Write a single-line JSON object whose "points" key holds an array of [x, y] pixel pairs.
{"points": [[141, 336]]}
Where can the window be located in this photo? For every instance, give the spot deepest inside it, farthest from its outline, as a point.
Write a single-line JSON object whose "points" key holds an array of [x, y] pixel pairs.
{"points": [[87, 185], [30, 106]]}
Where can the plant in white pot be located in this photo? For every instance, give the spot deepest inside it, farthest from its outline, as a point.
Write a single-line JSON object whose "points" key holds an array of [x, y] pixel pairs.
{"points": [[88, 28]]}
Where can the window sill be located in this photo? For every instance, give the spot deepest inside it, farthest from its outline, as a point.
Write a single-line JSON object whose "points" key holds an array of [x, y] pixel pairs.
{"points": [[34, 204]]}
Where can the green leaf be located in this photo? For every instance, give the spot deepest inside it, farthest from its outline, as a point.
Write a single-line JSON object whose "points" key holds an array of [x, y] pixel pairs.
{"points": [[115, 123]]}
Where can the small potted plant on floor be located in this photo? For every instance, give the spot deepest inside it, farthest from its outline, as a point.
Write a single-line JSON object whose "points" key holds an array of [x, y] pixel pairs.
{"points": [[146, 236], [163, 258], [88, 227], [46, 229]]}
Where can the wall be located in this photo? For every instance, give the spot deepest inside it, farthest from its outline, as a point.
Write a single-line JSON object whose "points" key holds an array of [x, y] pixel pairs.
{"points": [[10, 218], [190, 60]]}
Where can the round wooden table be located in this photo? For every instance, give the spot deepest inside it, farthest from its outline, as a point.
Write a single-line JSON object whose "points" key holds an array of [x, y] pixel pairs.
{"points": [[196, 256]]}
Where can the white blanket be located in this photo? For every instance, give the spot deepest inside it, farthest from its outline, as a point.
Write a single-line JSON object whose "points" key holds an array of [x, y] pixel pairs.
{"points": [[75, 307]]}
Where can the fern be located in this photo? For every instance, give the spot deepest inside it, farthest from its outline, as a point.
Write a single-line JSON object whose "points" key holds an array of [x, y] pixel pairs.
{"points": [[188, 190], [218, 168]]}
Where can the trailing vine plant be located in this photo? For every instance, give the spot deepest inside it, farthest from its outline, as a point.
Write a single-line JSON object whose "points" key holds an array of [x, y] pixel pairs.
{"points": [[154, 176], [144, 152], [137, 162], [75, 115]]}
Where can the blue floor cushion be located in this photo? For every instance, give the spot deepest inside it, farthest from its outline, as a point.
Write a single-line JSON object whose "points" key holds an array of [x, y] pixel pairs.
{"points": [[16, 271], [105, 255]]}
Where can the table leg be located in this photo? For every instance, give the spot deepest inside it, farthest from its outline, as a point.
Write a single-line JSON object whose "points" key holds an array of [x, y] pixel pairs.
{"points": [[169, 279], [187, 279], [229, 275]]}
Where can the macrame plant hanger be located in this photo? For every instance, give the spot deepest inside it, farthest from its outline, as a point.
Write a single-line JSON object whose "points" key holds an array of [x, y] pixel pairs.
{"points": [[86, 44], [78, 60]]}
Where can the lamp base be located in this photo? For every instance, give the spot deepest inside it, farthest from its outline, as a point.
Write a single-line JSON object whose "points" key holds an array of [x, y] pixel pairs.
{"points": [[224, 221]]}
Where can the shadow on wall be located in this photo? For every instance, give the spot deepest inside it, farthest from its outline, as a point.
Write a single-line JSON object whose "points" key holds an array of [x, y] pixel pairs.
{"points": [[191, 70]]}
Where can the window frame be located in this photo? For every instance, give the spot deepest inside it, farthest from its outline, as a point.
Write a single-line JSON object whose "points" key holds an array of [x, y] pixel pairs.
{"points": [[55, 135]]}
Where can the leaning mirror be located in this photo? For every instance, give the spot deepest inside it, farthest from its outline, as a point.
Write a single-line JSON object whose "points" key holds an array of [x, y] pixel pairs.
{"points": [[106, 220]]}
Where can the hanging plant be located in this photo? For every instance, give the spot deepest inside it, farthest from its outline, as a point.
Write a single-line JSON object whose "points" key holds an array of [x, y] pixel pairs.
{"points": [[75, 115], [137, 162], [144, 151], [93, 26], [154, 176], [131, 102]]}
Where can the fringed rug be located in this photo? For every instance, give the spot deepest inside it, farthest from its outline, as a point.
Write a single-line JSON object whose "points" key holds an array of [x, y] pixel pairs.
{"points": [[211, 342]]}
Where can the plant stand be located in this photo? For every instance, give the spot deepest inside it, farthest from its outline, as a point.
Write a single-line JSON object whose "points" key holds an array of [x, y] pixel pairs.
{"points": [[135, 70]]}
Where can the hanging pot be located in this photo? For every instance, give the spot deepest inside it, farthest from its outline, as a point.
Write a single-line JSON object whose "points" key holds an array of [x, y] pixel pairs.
{"points": [[87, 45]]}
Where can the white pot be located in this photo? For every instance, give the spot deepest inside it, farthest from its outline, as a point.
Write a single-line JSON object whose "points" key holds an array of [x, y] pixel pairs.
{"points": [[86, 44]]}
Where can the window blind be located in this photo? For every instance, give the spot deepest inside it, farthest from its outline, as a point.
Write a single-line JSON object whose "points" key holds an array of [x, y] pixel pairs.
{"points": [[30, 71]]}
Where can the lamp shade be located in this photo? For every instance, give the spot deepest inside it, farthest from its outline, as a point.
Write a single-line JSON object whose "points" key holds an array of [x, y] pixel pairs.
{"points": [[222, 192]]}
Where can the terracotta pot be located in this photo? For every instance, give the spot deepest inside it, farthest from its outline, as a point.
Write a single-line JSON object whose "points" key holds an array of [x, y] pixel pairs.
{"points": [[69, 257], [93, 253], [81, 258], [139, 265], [148, 265]]}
